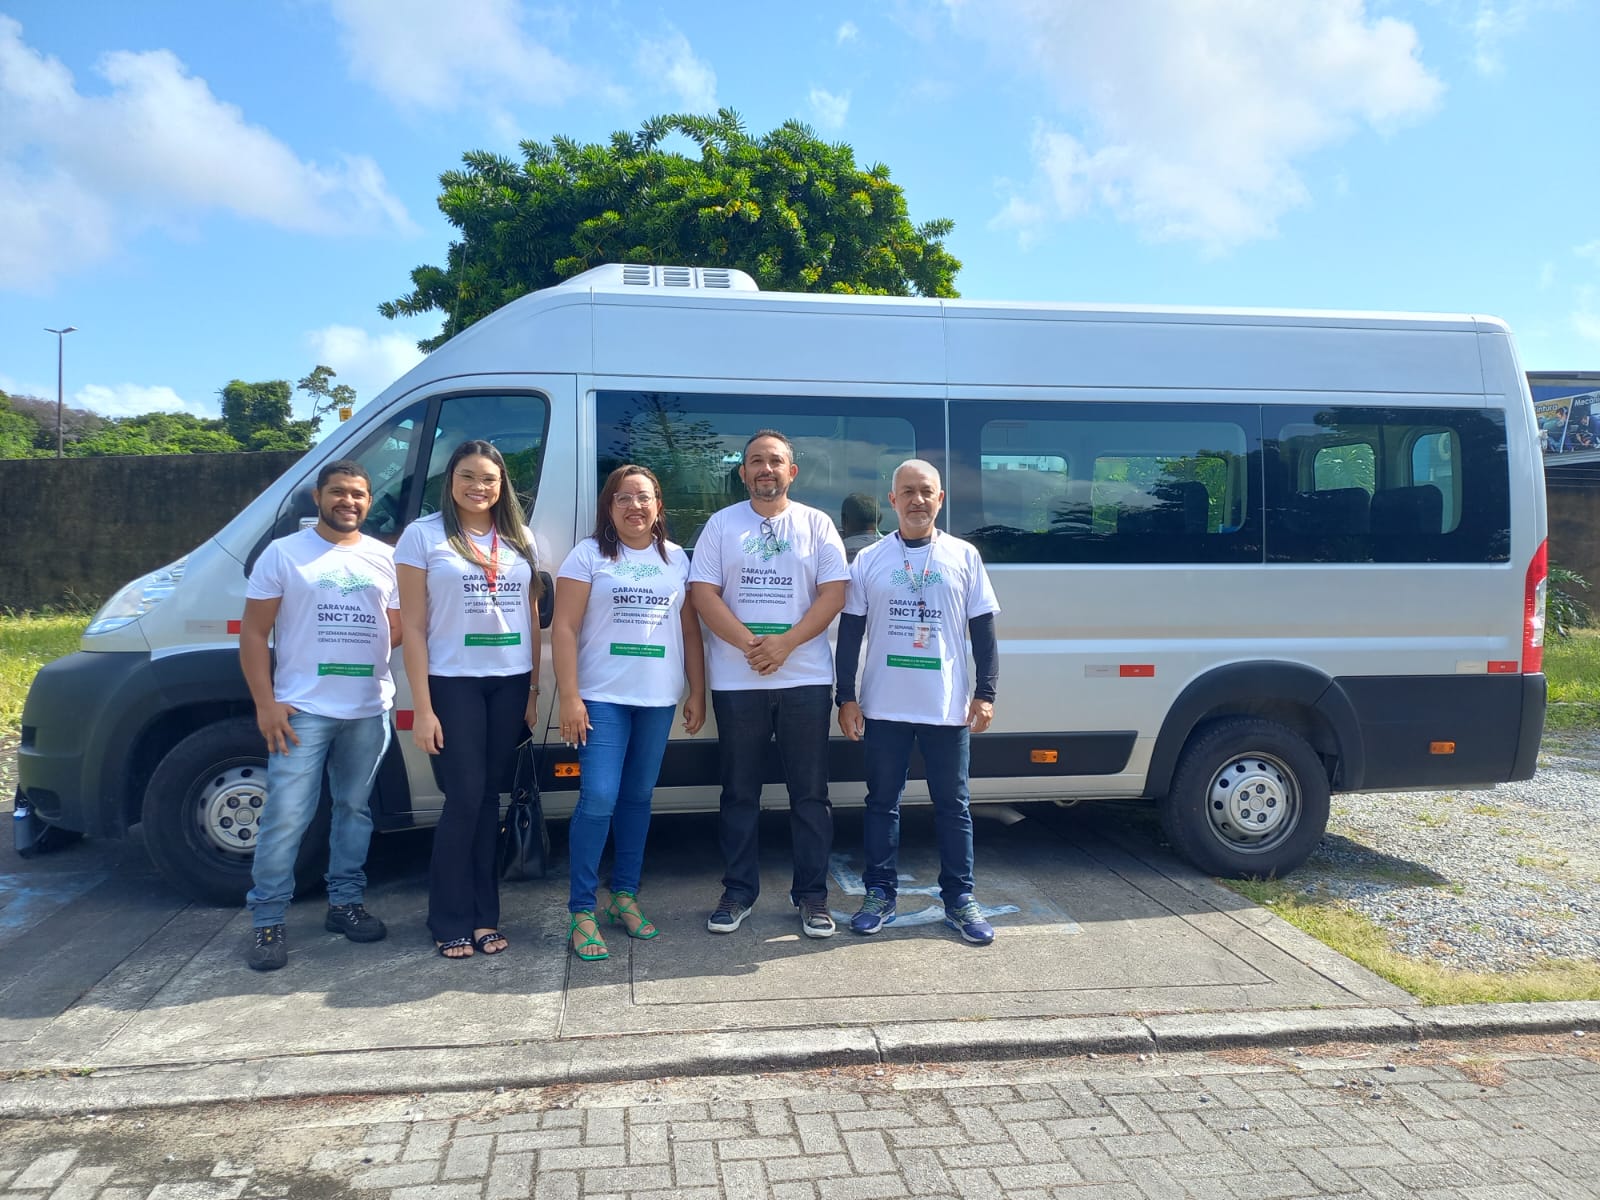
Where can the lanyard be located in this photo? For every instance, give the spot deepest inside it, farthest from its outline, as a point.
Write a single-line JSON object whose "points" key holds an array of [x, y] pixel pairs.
{"points": [[917, 583], [491, 569]]}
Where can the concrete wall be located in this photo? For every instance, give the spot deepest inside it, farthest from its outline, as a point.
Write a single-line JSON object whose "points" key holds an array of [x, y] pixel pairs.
{"points": [[1574, 512], [77, 529]]}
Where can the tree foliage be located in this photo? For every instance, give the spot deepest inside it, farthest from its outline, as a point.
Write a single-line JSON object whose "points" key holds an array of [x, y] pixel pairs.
{"points": [[260, 416], [795, 212], [326, 396]]}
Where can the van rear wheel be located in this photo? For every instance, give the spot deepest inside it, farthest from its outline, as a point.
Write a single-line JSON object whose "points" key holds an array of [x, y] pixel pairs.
{"points": [[202, 810], [1249, 799]]}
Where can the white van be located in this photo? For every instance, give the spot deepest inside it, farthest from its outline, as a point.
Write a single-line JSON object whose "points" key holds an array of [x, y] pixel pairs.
{"points": [[1244, 558]]}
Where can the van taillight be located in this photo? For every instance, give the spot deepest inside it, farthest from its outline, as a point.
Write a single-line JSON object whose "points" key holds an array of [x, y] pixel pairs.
{"points": [[1533, 611]]}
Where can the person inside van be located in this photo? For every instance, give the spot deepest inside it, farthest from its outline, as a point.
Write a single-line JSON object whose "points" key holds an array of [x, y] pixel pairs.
{"points": [[768, 579], [858, 523], [624, 640], [469, 591]]}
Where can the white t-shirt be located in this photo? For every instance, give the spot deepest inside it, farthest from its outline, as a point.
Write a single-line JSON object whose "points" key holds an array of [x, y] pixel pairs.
{"points": [[472, 629], [769, 580], [915, 649], [332, 628], [630, 645]]}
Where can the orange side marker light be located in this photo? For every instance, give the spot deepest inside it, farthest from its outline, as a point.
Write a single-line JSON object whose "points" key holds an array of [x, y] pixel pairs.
{"points": [[1441, 747], [568, 770], [1044, 756]]}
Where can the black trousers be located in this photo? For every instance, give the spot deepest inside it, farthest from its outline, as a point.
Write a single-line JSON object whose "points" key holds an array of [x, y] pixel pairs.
{"points": [[482, 719]]}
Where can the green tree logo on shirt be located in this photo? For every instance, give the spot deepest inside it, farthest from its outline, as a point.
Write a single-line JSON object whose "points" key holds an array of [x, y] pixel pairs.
{"points": [[636, 571], [904, 578], [767, 547], [346, 580]]}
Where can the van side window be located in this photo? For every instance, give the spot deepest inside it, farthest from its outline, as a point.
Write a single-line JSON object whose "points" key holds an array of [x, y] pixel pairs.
{"points": [[386, 454], [847, 449], [516, 424], [1048, 482], [1387, 485]]}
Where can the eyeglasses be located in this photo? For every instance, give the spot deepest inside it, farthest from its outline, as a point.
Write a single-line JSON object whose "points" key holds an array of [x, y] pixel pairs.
{"points": [[492, 481], [632, 499], [769, 536]]}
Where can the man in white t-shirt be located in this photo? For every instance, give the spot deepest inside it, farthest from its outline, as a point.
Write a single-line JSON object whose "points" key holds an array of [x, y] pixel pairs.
{"points": [[327, 596], [917, 600], [768, 579]]}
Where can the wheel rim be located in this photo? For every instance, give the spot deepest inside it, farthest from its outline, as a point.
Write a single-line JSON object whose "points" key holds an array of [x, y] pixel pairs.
{"points": [[230, 806], [1253, 802]]}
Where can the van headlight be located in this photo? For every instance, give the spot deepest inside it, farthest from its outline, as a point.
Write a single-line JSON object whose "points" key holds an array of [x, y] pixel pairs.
{"points": [[137, 598]]}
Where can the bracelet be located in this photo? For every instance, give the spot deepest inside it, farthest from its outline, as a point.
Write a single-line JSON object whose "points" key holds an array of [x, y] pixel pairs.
{"points": [[534, 690]]}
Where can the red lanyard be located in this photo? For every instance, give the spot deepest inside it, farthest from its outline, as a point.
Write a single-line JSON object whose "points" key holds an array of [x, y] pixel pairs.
{"points": [[491, 569]]}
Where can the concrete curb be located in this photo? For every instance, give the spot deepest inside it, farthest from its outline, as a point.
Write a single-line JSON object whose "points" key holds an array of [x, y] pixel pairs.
{"points": [[595, 1060]]}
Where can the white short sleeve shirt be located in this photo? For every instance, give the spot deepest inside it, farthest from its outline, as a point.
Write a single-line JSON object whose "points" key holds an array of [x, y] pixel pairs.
{"points": [[769, 570], [331, 635], [630, 645], [477, 625], [917, 601]]}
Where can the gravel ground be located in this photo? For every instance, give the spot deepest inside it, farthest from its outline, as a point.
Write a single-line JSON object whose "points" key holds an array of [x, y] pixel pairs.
{"points": [[1493, 880]]}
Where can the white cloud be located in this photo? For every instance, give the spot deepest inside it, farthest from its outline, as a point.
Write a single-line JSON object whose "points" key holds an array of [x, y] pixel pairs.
{"points": [[848, 32], [367, 362], [1191, 117], [829, 110], [450, 56], [78, 172], [1493, 24], [132, 400], [1589, 250], [672, 60]]}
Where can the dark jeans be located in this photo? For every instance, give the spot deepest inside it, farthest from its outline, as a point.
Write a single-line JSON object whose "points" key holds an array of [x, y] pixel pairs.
{"points": [[747, 722], [482, 719], [944, 751]]}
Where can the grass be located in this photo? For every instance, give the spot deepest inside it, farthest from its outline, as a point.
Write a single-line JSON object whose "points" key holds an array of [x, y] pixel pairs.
{"points": [[1361, 940], [1572, 670], [27, 642]]}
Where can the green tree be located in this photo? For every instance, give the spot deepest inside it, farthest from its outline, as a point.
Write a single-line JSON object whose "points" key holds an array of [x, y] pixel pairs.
{"points": [[19, 431], [326, 396], [157, 433], [795, 212], [260, 416]]}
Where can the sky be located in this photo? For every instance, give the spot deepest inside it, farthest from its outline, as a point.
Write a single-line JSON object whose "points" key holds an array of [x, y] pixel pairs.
{"points": [[219, 191]]}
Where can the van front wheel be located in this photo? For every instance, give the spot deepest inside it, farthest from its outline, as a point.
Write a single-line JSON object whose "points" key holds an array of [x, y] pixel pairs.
{"points": [[202, 811], [1249, 799]]}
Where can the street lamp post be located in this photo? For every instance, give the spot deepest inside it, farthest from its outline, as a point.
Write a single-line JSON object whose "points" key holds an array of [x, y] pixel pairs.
{"points": [[61, 335]]}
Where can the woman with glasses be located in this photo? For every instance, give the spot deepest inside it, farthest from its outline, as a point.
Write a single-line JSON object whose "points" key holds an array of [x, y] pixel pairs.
{"points": [[469, 593], [624, 639]]}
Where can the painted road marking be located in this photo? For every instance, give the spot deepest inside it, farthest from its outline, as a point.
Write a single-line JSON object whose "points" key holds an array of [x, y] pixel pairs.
{"points": [[1035, 906]]}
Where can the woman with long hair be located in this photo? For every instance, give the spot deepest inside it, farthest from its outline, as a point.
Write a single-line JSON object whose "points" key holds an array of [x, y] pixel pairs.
{"points": [[624, 638], [469, 604]]}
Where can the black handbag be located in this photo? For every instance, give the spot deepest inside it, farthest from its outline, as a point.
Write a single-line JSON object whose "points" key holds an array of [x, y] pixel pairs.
{"points": [[524, 839]]}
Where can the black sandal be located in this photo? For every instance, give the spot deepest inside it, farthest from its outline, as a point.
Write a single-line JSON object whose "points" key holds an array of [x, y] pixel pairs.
{"points": [[483, 942], [460, 943]]}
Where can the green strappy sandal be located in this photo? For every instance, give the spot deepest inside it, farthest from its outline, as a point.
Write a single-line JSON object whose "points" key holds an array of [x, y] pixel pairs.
{"points": [[625, 906], [584, 949]]}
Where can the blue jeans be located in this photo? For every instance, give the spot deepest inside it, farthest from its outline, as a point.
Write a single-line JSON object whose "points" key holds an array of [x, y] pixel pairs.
{"points": [[944, 752], [352, 750], [617, 767], [747, 722]]}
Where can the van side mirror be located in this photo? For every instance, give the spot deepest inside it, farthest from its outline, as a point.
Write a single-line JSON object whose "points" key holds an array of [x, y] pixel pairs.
{"points": [[547, 600]]}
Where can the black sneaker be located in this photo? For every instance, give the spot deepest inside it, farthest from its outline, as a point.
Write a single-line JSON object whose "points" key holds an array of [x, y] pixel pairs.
{"points": [[815, 919], [355, 922], [730, 914], [270, 950]]}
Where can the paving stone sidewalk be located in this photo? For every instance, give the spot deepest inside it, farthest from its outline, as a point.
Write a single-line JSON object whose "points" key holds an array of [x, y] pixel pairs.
{"points": [[1509, 1119]]}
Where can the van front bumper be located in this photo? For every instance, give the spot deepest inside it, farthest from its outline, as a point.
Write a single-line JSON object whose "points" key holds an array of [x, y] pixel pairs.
{"points": [[77, 722]]}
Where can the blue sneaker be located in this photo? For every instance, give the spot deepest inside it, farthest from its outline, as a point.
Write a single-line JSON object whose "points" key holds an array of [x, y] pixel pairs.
{"points": [[966, 919], [877, 910]]}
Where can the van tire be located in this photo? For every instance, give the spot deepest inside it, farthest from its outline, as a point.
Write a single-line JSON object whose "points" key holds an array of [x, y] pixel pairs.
{"points": [[213, 767], [1249, 799]]}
